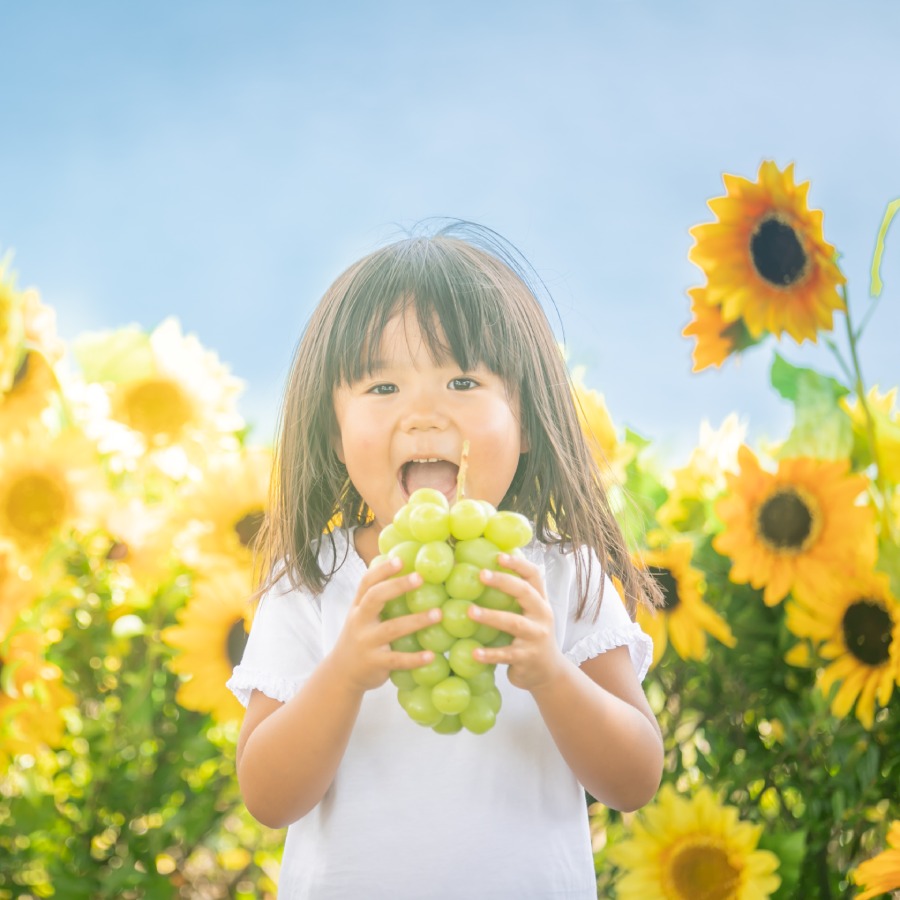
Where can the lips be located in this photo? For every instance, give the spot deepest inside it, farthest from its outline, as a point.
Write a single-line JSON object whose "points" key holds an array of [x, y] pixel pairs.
{"points": [[430, 472]]}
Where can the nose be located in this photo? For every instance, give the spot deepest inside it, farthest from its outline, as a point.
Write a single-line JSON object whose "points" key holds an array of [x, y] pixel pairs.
{"points": [[423, 410]]}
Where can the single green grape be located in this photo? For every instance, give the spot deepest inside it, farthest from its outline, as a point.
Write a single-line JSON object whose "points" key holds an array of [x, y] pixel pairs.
{"points": [[464, 582], [433, 672], [456, 618], [467, 519], [479, 716], [434, 561], [501, 639], [390, 536], [448, 725], [486, 634], [451, 695], [395, 607], [407, 643], [406, 551], [420, 707], [425, 597], [435, 638], [494, 698], [493, 598], [402, 678], [429, 522], [478, 552], [428, 495], [481, 682], [489, 508], [401, 520], [461, 660], [508, 530]]}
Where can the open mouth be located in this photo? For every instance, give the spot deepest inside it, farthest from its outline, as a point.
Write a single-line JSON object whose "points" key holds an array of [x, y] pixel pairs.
{"points": [[432, 472]]}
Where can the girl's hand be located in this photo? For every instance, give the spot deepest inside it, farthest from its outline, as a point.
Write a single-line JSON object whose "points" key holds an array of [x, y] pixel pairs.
{"points": [[533, 657], [362, 652]]}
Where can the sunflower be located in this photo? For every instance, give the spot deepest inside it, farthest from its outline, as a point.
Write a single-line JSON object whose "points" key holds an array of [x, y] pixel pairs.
{"points": [[165, 387], [598, 427], [144, 541], [210, 639], [716, 338], [881, 874], [693, 849], [48, 483], [856, 629], [32, 696], [801, 527], [685, 619], [886, 426], [766, 260], [227, 521], [30, 393], [693, 488], [12, 327]]}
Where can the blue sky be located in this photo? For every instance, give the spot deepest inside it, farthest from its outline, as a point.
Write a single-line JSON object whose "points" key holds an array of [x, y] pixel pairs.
{"points": [[224, 161]]}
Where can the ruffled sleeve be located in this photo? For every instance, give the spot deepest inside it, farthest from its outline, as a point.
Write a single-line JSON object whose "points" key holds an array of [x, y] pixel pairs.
{"points": [[284, 647]]}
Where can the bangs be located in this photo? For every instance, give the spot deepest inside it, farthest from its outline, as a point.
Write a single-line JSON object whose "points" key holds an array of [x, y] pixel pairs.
{"points": [[460, 297]]}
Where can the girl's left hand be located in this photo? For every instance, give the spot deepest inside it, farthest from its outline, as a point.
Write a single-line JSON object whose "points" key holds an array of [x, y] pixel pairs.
{"points": [[533, 657]]}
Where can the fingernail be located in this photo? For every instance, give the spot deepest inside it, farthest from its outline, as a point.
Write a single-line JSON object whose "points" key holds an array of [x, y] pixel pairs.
{"points": [[415, 579], [503, 557], [475, 611], [434, 614], [396, 562], [487, 574]]}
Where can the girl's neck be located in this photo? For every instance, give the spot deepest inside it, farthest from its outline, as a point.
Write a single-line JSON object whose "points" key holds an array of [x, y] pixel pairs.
{"points": [[365, 539]]}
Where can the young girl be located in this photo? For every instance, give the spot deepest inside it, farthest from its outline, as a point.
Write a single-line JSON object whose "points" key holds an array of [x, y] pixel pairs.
{"points": [[415, 349]]}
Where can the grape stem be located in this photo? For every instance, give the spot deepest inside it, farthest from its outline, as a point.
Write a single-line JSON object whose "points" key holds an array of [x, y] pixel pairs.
{"points": [[461, 474]]}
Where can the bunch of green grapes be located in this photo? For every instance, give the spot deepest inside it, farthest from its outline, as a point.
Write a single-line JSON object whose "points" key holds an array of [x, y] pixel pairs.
{"points": [[449, 546]]}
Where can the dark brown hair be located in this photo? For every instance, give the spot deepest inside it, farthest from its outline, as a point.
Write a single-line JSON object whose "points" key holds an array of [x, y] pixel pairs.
{"points": [[471, 296]]}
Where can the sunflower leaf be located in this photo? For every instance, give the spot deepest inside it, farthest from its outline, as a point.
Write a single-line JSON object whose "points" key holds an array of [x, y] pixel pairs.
{"points": [[790, 848], [116, 356], [822, 428]]}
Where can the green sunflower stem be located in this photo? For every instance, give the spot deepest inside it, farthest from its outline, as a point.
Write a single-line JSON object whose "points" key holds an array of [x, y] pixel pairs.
{"points": [[884, 490]]}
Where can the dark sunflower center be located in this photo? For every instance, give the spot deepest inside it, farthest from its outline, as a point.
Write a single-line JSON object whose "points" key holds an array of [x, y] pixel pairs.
{"points": [[703, 872], [247, 527], [235, 642], [22, 371], [666, 580], [867, 631], [118, 550], [785, 521], [777, 253]]}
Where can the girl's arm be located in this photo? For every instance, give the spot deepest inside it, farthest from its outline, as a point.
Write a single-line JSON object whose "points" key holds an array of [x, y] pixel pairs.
{"points": [[597, 713], [287, 753]]}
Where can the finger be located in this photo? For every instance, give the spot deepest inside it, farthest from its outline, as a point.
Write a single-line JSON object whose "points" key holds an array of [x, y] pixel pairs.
{"points": [[403, 625], [397, 659], [529, 597], [384, 571], [512, 623], [376, 596], [528, 571]]}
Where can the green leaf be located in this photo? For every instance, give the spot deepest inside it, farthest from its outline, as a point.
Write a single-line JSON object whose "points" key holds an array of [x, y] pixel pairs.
{"points": [[790, 848], [889, 561], [821, 427], [875, 284], [116, 356]]}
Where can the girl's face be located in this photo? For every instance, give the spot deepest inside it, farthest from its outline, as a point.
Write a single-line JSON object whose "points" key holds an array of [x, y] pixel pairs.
{"points": [[402, 427]]}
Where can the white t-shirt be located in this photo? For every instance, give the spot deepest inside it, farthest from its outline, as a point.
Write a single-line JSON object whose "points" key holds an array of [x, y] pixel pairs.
{"points": [[414, 814]]}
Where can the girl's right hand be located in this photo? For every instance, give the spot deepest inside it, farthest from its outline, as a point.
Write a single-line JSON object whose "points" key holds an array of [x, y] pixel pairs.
{"points": [[363, 651]]}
